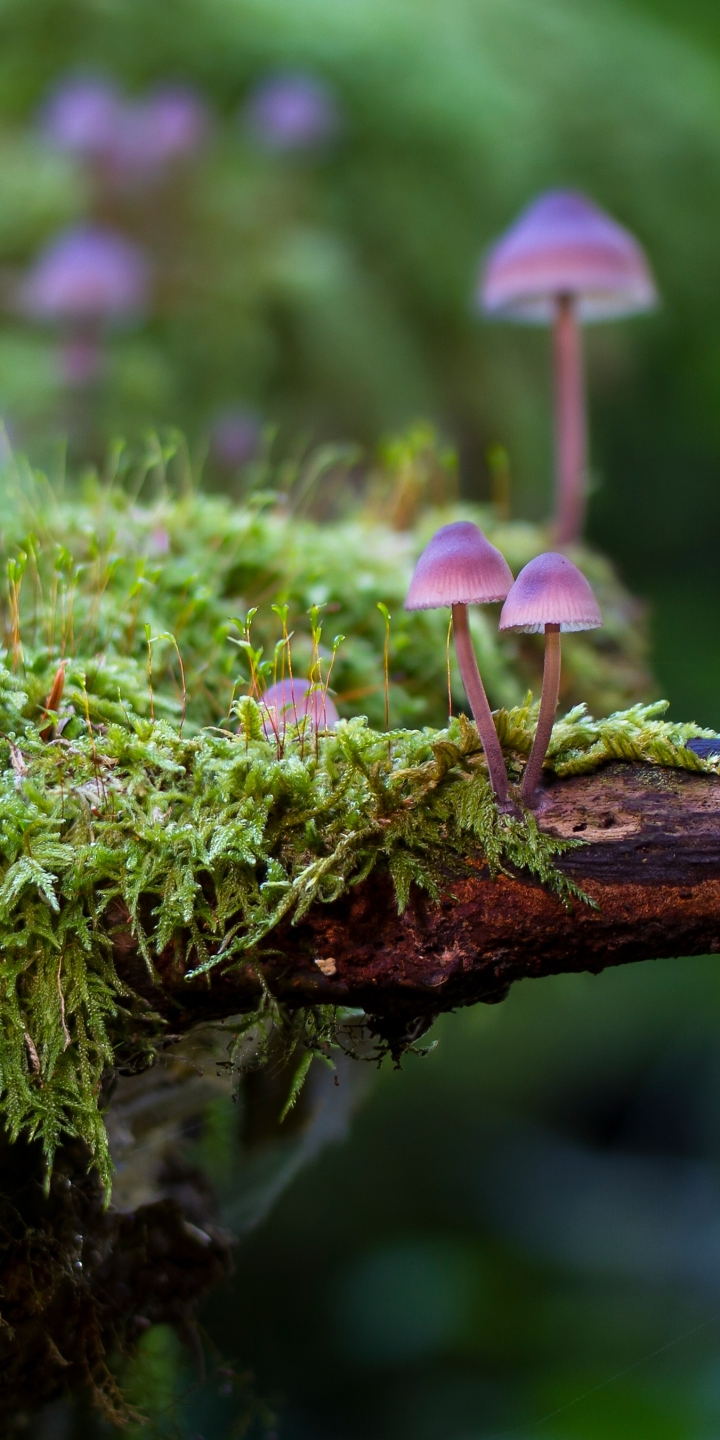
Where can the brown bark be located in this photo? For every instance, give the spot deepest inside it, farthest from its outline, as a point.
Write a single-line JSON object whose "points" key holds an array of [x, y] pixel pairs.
{"points": [[650, 860]]}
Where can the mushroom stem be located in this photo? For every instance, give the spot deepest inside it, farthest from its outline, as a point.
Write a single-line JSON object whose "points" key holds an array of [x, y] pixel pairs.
{"points": [[570, 428], [482, 714], [546, 718]]}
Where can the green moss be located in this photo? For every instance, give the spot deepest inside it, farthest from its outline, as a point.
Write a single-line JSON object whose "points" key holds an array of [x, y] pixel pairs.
{"points": [[95, 567], [140, 790], [217, 837], [580, 744]]}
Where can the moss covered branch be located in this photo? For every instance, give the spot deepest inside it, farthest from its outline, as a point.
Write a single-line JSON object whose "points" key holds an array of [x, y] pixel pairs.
{"points": [[650, 864], [149, 879]]}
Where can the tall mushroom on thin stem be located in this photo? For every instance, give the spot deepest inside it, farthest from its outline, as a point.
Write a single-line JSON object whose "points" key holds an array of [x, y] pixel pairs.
{"points": [[458, 568], [563, 262], [550, 594]]}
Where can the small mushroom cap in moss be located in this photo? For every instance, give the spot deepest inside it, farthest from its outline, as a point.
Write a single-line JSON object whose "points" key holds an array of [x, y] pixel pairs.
{"points": [[289, 701], [563, 244], [459, 566], [550, 591]]}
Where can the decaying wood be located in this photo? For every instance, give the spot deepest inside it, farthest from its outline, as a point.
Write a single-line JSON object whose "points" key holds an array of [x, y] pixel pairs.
{"points": [[650, 860]]}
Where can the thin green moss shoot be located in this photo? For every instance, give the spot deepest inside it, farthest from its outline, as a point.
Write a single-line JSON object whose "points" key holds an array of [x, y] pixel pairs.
{"points": [[217, 837]]}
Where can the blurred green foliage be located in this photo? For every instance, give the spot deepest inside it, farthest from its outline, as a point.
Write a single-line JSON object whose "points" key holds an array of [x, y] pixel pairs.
{"points": [[332, 290]]}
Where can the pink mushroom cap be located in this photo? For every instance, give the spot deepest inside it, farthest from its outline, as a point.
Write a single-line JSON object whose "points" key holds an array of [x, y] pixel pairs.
{"points": [[563, 244], [289, 701], [89, 118], [550, 590], [171, 123], [292, 111], [82, 116], [459, 566], [88, 273]]}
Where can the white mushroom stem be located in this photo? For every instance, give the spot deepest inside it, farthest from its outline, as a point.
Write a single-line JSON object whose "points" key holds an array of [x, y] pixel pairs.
{"points": [[570, 424], [482, 714], [546, 718]]}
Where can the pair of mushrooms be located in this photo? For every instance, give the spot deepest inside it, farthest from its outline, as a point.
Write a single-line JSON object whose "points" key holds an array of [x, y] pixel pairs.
{"points": [[460, 567]]}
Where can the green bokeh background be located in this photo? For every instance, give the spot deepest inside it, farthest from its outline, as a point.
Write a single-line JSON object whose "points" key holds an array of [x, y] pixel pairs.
{"points": [[405, 1286], [334, 290]]}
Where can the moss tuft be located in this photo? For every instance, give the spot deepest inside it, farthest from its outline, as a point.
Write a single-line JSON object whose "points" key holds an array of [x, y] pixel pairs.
{"points": [[580, 744]]}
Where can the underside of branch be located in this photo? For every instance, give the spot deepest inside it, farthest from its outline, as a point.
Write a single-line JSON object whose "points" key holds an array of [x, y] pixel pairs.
{"points": [[649, 862]]}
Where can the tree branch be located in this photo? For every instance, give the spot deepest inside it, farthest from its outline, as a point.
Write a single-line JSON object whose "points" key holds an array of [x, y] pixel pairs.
{"points": [[650, 861]]}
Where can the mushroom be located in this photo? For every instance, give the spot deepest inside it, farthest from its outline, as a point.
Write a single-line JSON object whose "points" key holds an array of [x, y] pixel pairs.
{"points": [[563, 261], [289, 701], [235, 437], [550, 594], [171, 124], [459, 567], [292, 111], [86, 279], [88, 273], [82, 116], [88, 117]]}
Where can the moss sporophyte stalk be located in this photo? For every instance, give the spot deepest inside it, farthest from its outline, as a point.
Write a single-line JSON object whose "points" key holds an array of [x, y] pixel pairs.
{"points": [[217, 837]]}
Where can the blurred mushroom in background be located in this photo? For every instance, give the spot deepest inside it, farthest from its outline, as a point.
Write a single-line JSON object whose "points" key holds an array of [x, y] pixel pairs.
{"points": [[171, 124], [123, 139], [292, 111], [235, 437], [565, 261], [85, 280], [82, 117]]}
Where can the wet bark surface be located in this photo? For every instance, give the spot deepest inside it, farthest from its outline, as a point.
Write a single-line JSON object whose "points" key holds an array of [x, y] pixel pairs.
{"points": [[650, 860]]}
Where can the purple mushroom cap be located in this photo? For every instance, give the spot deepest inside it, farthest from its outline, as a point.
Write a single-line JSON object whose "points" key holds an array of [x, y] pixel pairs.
{"points": [[459, 566], [87, 274], [169, 125], [179, 120], [89, 118], [550, 590], [235, 437], [563, 244], [289, 701], [82, 116], [292, 112]]}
